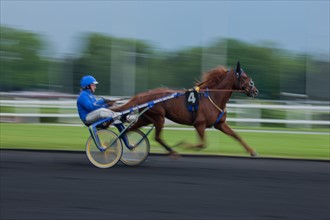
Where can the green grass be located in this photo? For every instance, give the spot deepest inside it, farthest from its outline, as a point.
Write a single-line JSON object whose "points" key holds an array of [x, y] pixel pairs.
{"points": [[51, 137]]}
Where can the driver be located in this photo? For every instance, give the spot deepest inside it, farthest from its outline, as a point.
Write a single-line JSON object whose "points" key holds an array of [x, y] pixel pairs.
{"points": [[90, 108]]}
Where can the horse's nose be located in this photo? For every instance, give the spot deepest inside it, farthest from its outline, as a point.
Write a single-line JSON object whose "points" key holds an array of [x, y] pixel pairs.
{"points": [[256, 92]]}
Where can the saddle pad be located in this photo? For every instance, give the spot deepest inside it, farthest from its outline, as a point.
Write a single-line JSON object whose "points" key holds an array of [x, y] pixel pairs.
{"points": [[192, 98]]}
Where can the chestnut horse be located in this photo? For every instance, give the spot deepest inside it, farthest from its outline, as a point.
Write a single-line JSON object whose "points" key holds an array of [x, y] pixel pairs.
{"points": [[213, 92]]}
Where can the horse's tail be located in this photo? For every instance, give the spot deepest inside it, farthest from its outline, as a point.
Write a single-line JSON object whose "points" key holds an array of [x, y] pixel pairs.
{"points": [[131, 103], [142, 98]]}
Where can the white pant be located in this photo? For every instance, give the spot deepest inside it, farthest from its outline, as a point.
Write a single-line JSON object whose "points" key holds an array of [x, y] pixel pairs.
{"points": [[99, 114]]}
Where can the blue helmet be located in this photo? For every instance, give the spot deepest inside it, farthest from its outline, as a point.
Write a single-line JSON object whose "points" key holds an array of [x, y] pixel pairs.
{"points": [[87, 80]]}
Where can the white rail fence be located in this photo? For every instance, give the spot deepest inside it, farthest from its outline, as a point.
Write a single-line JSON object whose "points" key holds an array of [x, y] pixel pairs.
{"points": [[24, 110]]}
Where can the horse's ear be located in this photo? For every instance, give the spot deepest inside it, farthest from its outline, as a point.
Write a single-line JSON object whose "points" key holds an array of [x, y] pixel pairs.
{"points": [[238, 68]]}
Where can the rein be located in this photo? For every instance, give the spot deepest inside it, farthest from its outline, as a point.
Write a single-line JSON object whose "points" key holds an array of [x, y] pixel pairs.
{"points": [[220, 90], [195, 88]]}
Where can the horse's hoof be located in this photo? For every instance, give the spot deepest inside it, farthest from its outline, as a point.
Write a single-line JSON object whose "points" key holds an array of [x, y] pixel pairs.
{"points": [[254, 154], [200, 148], [174, 155], [181, 143]]}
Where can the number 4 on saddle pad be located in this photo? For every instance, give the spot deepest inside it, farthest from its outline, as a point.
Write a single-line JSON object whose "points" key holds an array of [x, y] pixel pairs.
{"points": [[192, 98]]}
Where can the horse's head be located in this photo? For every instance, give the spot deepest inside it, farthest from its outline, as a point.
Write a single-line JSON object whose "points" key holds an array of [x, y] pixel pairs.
{"points": [[244, 82]]}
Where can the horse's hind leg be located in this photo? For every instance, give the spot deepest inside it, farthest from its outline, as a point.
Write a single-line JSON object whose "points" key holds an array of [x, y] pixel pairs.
{"points": [[158, 121], [161, 142], [140, 123], [224, 127]]}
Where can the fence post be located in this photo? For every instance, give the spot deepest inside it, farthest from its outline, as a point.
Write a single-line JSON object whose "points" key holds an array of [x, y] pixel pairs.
{"points": [[35, 110]]}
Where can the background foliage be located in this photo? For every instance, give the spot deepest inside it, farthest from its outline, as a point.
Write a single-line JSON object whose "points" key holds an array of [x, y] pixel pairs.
{"points": [[128, 66]]}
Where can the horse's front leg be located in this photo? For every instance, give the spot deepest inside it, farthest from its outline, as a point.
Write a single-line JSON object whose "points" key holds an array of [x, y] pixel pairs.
{"points": [[200, 128], [224, 127], [158, 129]]}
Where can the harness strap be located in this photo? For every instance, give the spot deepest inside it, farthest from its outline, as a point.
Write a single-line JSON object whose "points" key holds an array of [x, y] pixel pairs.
{"points": [[218, 119], [215, 105], [221, 112], [206, 94]]}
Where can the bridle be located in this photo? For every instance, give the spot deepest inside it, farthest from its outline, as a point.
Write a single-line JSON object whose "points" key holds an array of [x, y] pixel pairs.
{"points": [[240, 81]]}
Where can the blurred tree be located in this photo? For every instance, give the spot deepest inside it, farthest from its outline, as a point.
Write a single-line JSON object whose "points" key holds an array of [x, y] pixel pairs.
{"points": [[95, 60], [109, 59], [22, 66], [187, 68], [272, 69], [129, 66], [318, 80]]}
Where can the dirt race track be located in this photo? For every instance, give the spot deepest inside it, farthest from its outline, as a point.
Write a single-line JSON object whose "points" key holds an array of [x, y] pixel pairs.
{"points": [[63, 185]]}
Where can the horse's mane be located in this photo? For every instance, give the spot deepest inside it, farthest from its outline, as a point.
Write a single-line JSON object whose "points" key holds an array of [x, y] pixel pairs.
{"points": [[212, 77]]}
